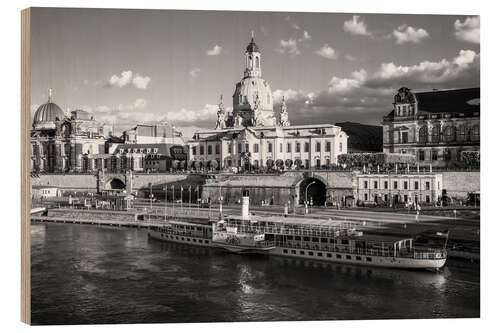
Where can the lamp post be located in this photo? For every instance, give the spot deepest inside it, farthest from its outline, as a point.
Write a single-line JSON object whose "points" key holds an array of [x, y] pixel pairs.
{"points": [[189, 189], [307, 187]]}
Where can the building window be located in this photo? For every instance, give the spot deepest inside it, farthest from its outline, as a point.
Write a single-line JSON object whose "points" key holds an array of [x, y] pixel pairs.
{"points": [[449, 133], [421, 155], [306, 147], [434, 155], [217, 149], [230, 147], [209, 149], [340, 147], [386, 184], [375, 184], [327, 161], [281, 147], [416, 185], [423, 134], [297, 147], [427, 199], [366, 184], [461, 133], [194, 150], [306, 161], [256, 148], [435, 133], [328, 147], [395, 184], [239, 147], [247, 147], [427, 186], [405, 185], [475, 133], [202, 150], [404, 137], [270, 147], [366, 196], [405, 198], [288, 147], [386, 197], [318, 146], [318, 163]]}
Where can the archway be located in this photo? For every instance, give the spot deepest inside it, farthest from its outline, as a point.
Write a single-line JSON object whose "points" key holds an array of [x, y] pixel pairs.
{"points": [[316, 190], [116, 184]]}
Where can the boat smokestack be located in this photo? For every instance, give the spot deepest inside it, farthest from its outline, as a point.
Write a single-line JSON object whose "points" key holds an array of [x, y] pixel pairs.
{"points": [[245, 203]]}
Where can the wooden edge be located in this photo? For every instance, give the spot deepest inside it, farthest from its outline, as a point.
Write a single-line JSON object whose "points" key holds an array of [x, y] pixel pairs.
{"points": [[25, 167]]}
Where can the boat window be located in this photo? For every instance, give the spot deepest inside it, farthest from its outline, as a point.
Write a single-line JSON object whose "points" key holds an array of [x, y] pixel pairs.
{"points": [[182, 238], [301, 252], [285, 251], [306, 239], [297, 238], [332, 240], [311, 253], [324, 240], [345, 241], [369, 259], [358, 258], [339, 256], [206, 242], [348, 257], [315, 239], [329, 255], [320, 254], [200, 241], [294, 252], [177, 238]]}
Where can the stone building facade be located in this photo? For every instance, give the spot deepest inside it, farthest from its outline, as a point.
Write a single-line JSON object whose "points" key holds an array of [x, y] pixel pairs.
{"points": [[398, 188], [435, 126], [59, 143], [252, 136]]}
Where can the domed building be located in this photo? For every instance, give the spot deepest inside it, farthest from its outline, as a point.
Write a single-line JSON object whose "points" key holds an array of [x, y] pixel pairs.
{"points": [[61, 143], [252, 137], [252, 98]]}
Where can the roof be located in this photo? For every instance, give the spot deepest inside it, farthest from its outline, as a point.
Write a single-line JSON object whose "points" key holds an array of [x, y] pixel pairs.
{"points": [[457, 100], [362, 138], [252, 47], [48, 112]]}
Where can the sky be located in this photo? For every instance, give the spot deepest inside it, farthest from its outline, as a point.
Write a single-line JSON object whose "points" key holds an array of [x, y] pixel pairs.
{"points": [[145, 66]]}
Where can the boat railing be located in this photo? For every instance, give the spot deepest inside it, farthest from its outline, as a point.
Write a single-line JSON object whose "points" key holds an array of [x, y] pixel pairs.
{"points": [[387, 252]]}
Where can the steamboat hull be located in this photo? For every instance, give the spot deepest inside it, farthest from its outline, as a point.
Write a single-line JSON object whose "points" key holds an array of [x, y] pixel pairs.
{"points": [[324, 256]]}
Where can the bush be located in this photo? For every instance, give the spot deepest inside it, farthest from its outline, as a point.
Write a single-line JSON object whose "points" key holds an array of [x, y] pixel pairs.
{"points": [[470, 158], [373, 159]]}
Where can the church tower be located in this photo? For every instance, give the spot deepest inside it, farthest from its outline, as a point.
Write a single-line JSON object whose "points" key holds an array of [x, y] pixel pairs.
{"points": [[252, 98]]}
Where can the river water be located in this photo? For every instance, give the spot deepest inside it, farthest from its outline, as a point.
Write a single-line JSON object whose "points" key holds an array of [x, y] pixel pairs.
{"points": [[88, 274]]}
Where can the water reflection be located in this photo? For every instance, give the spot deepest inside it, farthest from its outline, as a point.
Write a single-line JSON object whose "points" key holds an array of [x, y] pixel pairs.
{"points": [[86, 274]]}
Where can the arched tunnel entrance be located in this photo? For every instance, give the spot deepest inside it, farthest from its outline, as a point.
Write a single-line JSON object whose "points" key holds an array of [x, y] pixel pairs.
{"points": [[316, 190], [116, 184]]}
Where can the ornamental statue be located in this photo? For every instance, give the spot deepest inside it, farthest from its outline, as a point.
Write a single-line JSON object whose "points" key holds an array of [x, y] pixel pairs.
{"points": [[257, 114], [283, 114], [221, 116]]}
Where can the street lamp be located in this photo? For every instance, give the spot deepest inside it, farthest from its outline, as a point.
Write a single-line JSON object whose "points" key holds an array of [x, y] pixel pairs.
{"points": [[307, 187]]}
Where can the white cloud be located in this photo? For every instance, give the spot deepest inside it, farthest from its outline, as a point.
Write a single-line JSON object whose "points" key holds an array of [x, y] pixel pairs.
{"points": [[326, 51], [350, 57], [216, 50], [468, 30], [407, 34], [289, 47], [140, 103], [127, 78], [184, 116], [121, 81], [194, 72], [305, 36], [141, 82], [356, 26]]}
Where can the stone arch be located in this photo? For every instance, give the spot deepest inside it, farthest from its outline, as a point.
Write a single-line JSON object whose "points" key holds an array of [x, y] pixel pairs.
{"points": [[115, 184], [317, 189]]}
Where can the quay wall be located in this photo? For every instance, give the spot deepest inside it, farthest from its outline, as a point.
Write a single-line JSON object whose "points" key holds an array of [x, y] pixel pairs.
{"points": [[69, 182]]}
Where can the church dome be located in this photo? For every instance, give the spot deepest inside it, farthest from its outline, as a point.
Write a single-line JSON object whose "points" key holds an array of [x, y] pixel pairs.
{"points": [[252, 47], [46, 115], [246, 93]]}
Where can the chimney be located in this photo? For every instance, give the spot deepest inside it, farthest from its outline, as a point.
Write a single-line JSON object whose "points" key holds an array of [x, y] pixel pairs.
{"points": [[245, 202]]}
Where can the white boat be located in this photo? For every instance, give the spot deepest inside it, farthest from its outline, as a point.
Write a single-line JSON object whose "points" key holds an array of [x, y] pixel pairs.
{"points": [[233, 239]]}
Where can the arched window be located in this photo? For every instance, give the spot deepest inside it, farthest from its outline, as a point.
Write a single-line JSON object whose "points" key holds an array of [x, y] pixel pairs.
{"points": [[461, 133], [475, 133], [449, 133], [423, 134], [268, 98], [435, 134], [257, 63]]}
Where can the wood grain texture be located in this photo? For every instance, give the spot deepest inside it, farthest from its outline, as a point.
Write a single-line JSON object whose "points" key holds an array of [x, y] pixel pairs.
{"points": [[25, 167]]}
